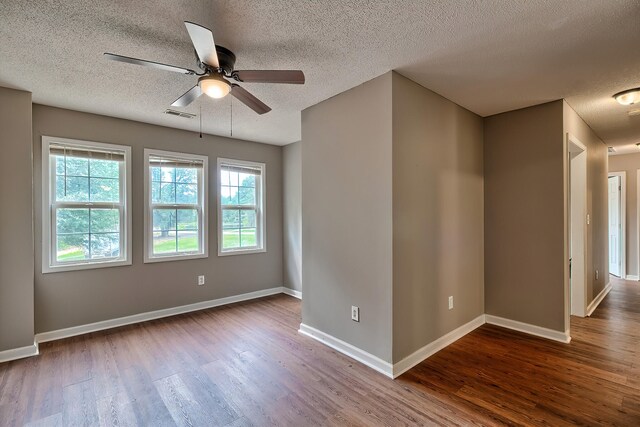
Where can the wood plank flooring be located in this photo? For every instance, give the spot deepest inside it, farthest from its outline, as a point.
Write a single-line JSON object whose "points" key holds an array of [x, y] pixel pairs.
{"points": [[245, 364]]}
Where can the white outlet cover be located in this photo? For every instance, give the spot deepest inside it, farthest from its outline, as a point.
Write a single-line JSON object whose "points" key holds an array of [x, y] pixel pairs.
{"points": [[355, 313]]}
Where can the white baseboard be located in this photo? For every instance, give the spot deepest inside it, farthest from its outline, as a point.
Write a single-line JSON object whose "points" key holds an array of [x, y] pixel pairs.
{"points": [[19, 353], [157, 314], [435, 346], [633, 277], [292, 292], [528, 328], [597, 300], [352, 351]]}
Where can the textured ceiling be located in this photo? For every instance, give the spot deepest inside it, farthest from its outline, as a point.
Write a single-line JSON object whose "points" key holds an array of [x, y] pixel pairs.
{"points": [[488, 56]]}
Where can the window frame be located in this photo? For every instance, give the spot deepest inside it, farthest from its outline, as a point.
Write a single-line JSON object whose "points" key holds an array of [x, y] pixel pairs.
{"points": [[203, 210], [260, 207], [49, 208]]}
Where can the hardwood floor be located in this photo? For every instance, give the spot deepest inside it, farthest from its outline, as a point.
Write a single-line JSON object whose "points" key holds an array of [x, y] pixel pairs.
{"points": [[246, 364]]}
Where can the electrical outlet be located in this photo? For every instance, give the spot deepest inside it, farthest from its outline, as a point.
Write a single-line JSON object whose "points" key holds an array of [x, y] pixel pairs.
{"points": [[450, 302], [596, 274], [200, 280], [355, 313]]}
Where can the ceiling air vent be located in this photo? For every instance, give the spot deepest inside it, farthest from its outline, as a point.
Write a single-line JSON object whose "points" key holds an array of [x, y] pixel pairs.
{"points": [[611, 149], [635, 112], [179, 114]]}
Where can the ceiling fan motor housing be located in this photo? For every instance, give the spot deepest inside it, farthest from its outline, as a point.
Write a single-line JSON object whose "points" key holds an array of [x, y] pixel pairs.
{"points": [[226, 59]]}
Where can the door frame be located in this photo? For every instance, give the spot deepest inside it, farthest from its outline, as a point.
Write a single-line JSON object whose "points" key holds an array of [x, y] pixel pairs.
{"points": [[574, 146], [622, 250]]}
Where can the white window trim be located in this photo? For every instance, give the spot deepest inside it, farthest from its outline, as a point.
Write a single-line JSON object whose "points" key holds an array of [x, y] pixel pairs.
{"points": [[48, 266], [261, 211], [148, 220]]}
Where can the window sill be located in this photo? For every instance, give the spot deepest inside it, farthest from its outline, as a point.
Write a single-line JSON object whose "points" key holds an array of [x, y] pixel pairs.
{"points": [[85, 266], [241, 252], [151, 260]]}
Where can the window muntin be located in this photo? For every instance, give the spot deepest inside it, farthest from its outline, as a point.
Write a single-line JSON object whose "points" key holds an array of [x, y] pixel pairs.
{"points": [[84, 204], [241, 201], [175, 220]]}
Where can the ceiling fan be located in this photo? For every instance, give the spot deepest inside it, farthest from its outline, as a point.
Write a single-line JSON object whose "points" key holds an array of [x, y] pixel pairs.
{"points": [[216, 64]]}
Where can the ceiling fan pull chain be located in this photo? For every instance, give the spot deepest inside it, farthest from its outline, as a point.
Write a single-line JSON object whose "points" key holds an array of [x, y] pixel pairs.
{"points": [[200, 120], [231, 117]]}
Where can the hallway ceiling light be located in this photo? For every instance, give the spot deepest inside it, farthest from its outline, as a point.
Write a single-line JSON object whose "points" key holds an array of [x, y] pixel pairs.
{"points": [[628, 97]]}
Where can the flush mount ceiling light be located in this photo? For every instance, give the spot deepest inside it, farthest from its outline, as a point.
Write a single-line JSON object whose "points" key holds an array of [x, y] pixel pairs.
{"points": [[214, 86], [628, 97]]}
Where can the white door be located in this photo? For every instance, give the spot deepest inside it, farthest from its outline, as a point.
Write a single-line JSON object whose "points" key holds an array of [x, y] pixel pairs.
{"points": [[614, 225]]}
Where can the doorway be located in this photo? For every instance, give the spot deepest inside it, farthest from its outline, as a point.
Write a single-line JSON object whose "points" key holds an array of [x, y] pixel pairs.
{"points": [[617, 211], [578, 218]]}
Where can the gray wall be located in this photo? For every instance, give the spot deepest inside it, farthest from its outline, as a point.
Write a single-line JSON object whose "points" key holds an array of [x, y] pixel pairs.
{"points": [[525, 219], [347, 216], [597, 201], [16, 222], [292, 211], [438, 220], [74, 298], [629, 163]]}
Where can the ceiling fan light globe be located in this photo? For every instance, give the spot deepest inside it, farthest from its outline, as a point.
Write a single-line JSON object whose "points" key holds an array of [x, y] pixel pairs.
{"points": [[628, 97], [215, 87]]}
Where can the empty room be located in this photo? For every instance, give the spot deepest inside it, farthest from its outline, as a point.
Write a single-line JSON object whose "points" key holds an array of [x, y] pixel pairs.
{"points": [[332, 213]]}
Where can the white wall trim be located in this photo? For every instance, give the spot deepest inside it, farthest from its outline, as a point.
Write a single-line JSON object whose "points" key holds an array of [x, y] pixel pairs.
{"points": [[352, 351], [292, 292], [527, 328], [435, 346], [19, 353], [150, 315], [633, 277], [597, 300]]}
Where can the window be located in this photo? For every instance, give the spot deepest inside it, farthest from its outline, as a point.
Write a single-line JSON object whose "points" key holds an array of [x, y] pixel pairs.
{"points": [[241, 216], [175, 207], [85, 198]]}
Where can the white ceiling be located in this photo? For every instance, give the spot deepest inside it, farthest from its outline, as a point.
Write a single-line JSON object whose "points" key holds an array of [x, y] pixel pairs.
{"points": [[488, 56]]}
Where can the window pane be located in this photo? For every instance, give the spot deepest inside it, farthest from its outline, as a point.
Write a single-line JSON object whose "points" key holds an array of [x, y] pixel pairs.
{"points": [[77, 166], [233, 179], [105, 190], [168, 193], [187, 194], [164, 242], [248, 237], [187, 175], [156, 174], [105, 168], [75, 190], [105, 245], [230, 218], [229, 195], [72, 221], [155, 192], [230, 229], [105, 220], [168, 174], [188, 241], [187, 219], [246, 196], [164, 220], [74, 247], [224, 178], [247, 180]]}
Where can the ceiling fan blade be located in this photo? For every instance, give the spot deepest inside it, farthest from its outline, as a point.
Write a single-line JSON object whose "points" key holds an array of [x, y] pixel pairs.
{"points": [[270, 76], [202, 39], [190, 96], [249, 100], [150, 64]]}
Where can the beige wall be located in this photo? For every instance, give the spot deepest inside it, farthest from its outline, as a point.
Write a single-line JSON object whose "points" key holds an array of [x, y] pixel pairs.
{"points": [[525, 219], [292, 211], [629, 163], [347, 216], [80, 297], [438, 221], [597, 201], [16, 222]]}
